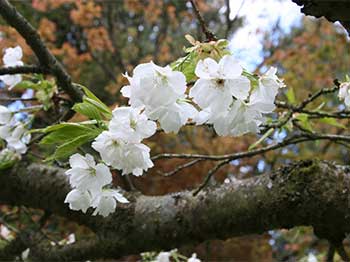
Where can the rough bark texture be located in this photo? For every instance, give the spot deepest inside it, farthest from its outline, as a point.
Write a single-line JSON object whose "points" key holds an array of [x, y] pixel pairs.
{"points": [[332, 10], [312, 193]]}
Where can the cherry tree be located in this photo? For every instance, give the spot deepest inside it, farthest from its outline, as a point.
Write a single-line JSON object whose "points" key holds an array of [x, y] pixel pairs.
{"points": [[206, 87]]}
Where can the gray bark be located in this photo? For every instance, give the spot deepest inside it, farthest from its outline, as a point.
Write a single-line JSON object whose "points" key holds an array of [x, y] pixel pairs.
{"points": [[314, 193]]}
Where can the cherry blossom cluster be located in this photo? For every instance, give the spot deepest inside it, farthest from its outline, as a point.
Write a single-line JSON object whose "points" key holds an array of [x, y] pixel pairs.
{"points": [[160, 92], [222, 93], [120, 146], [227, 99], [88, 181], [12, 57]]}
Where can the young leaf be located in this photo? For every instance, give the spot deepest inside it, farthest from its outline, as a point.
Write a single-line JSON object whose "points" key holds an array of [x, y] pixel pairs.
{"points": [[98, 102], [290, 95], [100, 107], [66, 133], [332, 122], [304, 122], [88, 110], [269, 132], [70, 147], [62, 125], [186, 65]]}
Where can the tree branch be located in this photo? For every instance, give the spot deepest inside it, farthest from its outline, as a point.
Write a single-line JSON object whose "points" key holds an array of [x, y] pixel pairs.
{"points": [[312, 193], [46, 59], [27, 69], [208, 34], [332, 10]]}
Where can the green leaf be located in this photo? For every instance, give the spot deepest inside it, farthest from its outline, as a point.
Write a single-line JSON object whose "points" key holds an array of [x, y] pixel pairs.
{"points": [[304, 122], [62, 125], [347, 78], [45, 90], [186, 65], [66, 133], [332, 122], [8, 159], [290, 95], [102, 106], [88, 110], [269, 132], [254, 80], [65, 150]]}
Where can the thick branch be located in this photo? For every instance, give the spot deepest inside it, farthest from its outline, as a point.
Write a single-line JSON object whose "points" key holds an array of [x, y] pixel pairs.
{"points": [[27, 69], [46, 59], [305, 193], [332, 10]]}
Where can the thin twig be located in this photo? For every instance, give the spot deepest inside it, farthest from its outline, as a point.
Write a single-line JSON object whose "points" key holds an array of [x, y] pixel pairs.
{"points": [[11, 99], [208, 34], [209, 175], [46, 59], [181, 167], [294, 139]]}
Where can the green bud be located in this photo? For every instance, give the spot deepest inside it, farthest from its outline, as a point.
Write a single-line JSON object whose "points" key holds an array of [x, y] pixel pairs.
{"points": [[8, 158]]}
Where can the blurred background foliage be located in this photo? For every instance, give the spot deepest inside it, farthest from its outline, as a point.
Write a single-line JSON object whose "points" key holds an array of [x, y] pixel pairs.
{"points": [[98, 40]]}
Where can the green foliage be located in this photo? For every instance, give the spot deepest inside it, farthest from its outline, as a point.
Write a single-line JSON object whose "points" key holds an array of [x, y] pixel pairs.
{"points": [[67, 149], [332, 122], [7, 159], [262, 138], [68, 137], [67, 132], [92, 107], [290, 95], [198, 51], [45, 90], [304, 122], [186, 65], [254, 80]]}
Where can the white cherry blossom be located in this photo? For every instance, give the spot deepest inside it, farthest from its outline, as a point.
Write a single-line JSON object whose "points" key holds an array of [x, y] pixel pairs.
{"points": [[219, 84], [136, 159], [78, 200], [163, 257], [18, 139], [266, 92], [344, 93], [152, 86], [12, 57], [173, 117], [128, 157], [105, 201], [193, 258], [240, 119], [86, 175], [110, 147], [131, 125], [270, 79], [16, 136], [5, 115], [158, 91]]}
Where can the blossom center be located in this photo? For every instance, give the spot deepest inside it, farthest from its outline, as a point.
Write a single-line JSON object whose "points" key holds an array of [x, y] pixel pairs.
{"points": [[220, 83], [133, 124], [92, 171]]}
